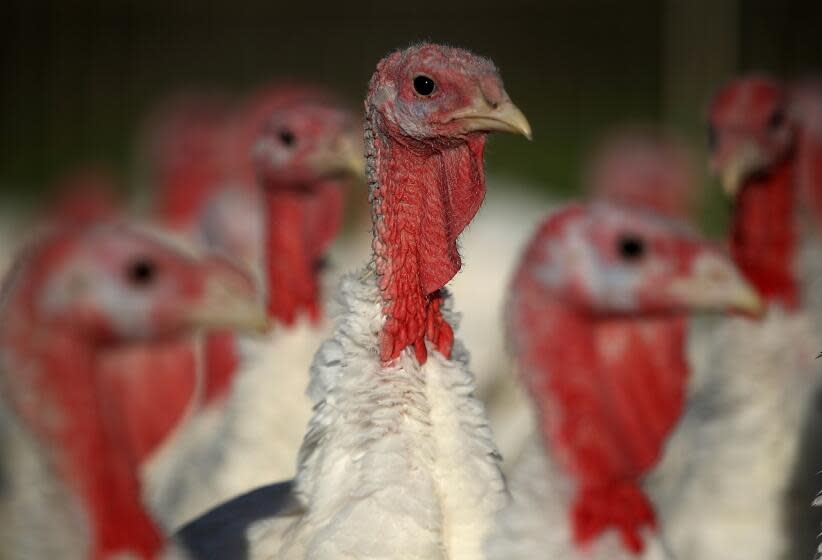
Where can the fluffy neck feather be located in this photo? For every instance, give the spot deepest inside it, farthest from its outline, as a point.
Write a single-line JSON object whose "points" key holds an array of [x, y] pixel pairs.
{"points": [[64, 408], [301, 223], [422, 197], [608, 392], [763, 235]]}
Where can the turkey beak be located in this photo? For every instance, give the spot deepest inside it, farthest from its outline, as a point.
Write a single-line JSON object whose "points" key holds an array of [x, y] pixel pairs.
{"points": [[501, 117], [744, 162], [229, 300], [715, 284], [344, 156]]}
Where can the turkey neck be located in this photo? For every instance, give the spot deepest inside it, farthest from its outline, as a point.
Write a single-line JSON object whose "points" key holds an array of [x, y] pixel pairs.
{"points": [[62, 405], [608, 391], [422, 197], [763, 234], [296, 236]]}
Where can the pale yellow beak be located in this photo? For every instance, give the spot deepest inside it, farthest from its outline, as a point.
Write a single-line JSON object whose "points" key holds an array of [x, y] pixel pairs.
{"points": [[715, 284], [747, 160], [505, 117], [343, 157], [226, 306]]}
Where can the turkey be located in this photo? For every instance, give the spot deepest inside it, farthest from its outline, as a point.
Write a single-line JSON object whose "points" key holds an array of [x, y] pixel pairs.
{"points": [[647, 167], [301, 149], [741, 440], [597, 324], [71, 484], [634, 165], [398, 460]]}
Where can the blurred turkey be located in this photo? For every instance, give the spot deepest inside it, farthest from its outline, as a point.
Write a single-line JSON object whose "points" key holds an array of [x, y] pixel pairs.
{"points": [[71, 485], [398, 460], [286, 156], [741, 441], [597, 320]]}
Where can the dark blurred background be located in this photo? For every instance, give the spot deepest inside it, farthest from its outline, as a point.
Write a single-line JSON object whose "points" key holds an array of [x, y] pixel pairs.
{"points": [[77, 76]]}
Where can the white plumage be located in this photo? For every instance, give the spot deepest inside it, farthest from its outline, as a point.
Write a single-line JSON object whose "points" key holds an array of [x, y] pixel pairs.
{"points": [[740, 440], [253, 437], [403, 452], [536, 524]]}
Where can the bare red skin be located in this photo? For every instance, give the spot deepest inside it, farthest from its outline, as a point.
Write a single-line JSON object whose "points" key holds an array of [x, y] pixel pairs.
{"points": [[301, 224], [185, 157], [422, 203], [609, 389], [763, 234], [206, 149], [84, 444], [645, 168], [151, 385]]}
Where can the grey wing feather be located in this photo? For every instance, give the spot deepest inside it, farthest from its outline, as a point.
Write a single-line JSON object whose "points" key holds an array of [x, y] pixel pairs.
{"points": [[222, 532]]}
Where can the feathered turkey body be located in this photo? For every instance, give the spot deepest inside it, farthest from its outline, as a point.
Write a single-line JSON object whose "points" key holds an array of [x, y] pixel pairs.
{"points": [[247, 442], [380, 432], [297, 144], [597, 326], [398, 460], [71, 484], [757, 377]]}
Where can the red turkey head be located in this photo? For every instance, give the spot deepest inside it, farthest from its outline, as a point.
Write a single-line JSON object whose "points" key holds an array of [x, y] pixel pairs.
{"points": [[749, 129], [609, 260], [300, 144], [438, 94], [596, 325], [118, 282], [645, 168], [428, 111]]}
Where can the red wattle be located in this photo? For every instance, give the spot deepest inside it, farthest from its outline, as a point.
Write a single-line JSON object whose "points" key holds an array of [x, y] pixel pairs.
{"points": [[130, 378], [300, 224], [423, 200], [763, 234], [608, 398]]}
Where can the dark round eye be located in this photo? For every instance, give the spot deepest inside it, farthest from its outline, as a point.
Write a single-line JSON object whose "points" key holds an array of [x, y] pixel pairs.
{"points": [[141, 272], [713, 138], [630, 247], [424, 85], [777, 120], [287, 137]]}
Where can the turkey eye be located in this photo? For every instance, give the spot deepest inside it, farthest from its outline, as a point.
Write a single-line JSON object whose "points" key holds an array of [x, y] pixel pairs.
{"points": [[777, 120], [141, 272], [287, 137], [713, 139], [424, 85], [630, 248]]}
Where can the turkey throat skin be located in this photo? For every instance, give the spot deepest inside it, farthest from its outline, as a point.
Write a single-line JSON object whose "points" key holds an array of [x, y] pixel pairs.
{"points": [[614, 392], [82, 444], [403, 449], [764, 234], [301, 224], [422, 198]]}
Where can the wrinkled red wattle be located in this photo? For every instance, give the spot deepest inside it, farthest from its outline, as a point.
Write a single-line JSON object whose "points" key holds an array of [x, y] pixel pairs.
{"points": [[85, 447], [763, 234], [300, 225], [422, 202], [151, 386], [604, 413]]}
